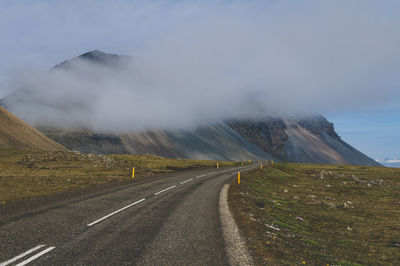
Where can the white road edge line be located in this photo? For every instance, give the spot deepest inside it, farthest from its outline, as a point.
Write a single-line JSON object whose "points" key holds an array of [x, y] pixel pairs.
{"points": [[161, 191], [21, 255], [200, 176], [117, 211], [35, 256], [183, 182]]}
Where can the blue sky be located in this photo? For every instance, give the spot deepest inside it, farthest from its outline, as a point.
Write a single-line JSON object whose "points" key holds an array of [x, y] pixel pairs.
{"points": [[338, 58], [375, 132]]}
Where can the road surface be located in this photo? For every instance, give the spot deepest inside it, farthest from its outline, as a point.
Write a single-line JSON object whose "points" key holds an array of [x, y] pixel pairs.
{"points": [[165, 220]]}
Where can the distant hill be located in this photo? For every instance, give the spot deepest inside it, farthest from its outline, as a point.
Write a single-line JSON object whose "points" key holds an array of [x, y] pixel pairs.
{"points": [[309, 139], [16, 134]]}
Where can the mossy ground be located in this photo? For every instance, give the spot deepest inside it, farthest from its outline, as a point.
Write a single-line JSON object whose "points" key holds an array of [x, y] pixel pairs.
{"points": [[25, 174], [295, 214]]}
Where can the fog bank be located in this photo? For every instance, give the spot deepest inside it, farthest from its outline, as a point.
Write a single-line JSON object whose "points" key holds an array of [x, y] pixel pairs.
{"points": [[211, 61]]}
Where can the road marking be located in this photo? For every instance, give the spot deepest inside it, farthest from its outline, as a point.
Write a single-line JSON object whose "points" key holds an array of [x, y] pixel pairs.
{"points": [[164, 190], [200, 176], [21, 255], [35, 256], [183, 182], [117, 211]]}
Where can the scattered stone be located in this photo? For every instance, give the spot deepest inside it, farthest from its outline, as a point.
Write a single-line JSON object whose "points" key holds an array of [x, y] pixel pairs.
{"points": [[260, 204], [322, 174], [349, 228], [277, 203], [285, 191], [270, 233], [331, 205], [328, 185], [299, 218], [344, 182], [311, 196], [378, 182], [296, 198], [272, 227]]}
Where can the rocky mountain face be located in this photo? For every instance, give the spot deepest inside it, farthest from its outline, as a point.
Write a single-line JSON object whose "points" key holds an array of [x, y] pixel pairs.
{"points": [[304, 140]]}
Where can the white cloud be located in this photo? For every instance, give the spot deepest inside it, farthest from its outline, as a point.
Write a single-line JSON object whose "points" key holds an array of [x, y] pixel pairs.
{"points": [[206, 60]]}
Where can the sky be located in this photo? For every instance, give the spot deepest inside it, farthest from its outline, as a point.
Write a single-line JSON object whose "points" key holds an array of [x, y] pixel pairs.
{"points": [[198, 60]]}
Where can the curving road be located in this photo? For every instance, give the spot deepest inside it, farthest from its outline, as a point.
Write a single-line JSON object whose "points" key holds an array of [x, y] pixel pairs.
{"points": [[165, 220]]}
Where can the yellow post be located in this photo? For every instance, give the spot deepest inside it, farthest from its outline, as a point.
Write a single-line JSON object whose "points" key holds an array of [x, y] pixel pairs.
{"points": [[133, 172], [261, 166], [238, 177], [217, 165], [242, 164], [272, 163]]}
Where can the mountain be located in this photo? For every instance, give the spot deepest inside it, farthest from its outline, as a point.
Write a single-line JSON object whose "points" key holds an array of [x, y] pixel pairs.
{"points": [[309, 139], [95, 57], [303, 140], [16, 134], [207, 142]]}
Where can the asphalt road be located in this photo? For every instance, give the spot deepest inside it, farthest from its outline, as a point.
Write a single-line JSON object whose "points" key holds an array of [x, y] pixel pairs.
{"points": [[164, 220]]}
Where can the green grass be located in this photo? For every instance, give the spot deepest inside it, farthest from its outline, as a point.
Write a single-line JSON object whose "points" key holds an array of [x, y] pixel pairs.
{"points": [[320, 214], [25, 174]]}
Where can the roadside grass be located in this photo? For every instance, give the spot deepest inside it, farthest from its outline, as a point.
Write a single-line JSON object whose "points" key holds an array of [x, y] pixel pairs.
{"points": [[25, 174], [295, 214]]}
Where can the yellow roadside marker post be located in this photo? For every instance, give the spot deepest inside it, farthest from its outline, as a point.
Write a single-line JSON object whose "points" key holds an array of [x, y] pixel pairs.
{"points": [[238, 177], [133, 172], [242, 164], [217, 165], [261, 166], [272, 163]]}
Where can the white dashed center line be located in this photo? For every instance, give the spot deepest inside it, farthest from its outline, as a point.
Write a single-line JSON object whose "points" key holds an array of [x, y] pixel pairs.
{"points": [[183, 182], [164, 190], [21, 255], [117, 211], [34, 257]]}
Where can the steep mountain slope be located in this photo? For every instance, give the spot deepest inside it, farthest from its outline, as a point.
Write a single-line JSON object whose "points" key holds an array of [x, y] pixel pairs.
{"points": [[215, 141], [16, 134], [207, 142], [305, 140]]}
